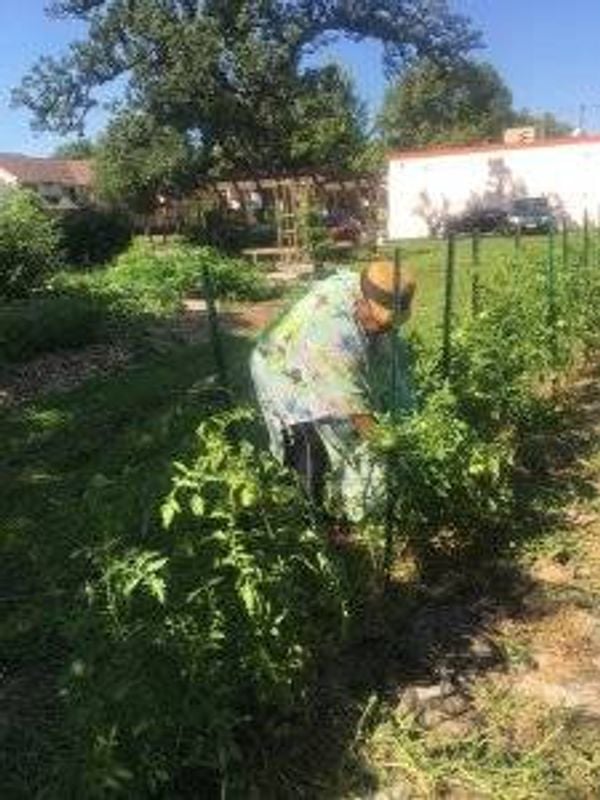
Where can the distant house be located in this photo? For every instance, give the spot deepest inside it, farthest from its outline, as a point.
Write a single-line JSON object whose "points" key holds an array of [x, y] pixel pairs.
{"points": [[63, 184], [425, 187]]}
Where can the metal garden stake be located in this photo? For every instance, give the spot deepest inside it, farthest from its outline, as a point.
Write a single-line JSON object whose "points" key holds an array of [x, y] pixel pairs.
{"points": [[448, 307], [213, 325], [390, 483], [551, 297], [475, 275]]}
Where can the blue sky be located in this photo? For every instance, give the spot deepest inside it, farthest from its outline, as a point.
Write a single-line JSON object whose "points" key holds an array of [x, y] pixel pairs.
{"points": [[545, 51]]}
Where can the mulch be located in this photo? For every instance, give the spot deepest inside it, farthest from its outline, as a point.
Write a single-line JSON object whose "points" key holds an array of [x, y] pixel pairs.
{"points": [[59, 372], [66, 369]]}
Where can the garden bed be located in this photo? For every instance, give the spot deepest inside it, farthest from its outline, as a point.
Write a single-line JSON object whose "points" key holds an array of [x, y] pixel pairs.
{"points": [[155, 572]]}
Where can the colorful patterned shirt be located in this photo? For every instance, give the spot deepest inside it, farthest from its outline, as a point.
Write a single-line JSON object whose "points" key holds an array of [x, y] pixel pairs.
{"points": [[313, 364]]}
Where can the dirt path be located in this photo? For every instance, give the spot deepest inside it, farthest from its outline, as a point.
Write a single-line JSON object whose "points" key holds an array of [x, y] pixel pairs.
{"points": [[65, 370]]}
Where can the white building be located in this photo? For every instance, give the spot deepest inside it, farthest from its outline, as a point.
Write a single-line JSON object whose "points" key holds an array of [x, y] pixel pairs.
{"points": [[427, 186]]}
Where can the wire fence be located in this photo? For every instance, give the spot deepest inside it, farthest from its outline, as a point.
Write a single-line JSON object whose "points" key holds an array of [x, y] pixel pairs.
{"points": [[456, 274]]}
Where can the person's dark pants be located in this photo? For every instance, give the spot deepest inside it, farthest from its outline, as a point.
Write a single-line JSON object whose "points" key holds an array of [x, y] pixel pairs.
{"points": [[305, 453]]}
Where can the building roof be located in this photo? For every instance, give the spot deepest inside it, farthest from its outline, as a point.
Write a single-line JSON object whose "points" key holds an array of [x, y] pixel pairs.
{"points": [[482, 147], [67, 172]]}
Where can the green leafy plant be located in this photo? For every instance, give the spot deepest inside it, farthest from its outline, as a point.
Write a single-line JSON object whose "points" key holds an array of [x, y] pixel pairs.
{"points": [[449, 485], [144, 280], [29, 244], [195, 636], [48, 323], [93, 236]]}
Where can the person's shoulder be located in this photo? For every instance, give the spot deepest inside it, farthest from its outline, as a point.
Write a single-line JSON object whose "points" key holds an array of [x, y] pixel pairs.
{"points": [[344, 279]]}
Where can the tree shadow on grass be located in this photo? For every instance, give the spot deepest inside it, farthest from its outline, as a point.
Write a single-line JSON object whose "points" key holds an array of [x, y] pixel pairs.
{"points": [[419, 647]]}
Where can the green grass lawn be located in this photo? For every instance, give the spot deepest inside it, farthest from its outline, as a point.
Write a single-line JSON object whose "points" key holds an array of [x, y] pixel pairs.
{"points": [[498, 255]]}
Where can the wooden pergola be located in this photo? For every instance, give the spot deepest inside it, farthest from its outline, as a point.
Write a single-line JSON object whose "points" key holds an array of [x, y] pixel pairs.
{"points": [[290, 196]]}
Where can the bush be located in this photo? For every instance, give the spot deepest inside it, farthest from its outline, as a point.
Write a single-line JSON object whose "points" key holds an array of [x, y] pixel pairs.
{"points": [[451, 485], [94, 236], [143, 280], [29, 244], [233, 279], [188, 641], [46, 324]]}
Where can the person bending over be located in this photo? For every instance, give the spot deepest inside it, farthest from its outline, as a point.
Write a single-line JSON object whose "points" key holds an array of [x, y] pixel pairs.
{"points": [[311, 370]]}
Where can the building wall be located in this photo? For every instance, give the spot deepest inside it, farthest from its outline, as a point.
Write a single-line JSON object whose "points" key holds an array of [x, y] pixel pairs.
{"points": [[57, 195], [424, 189], [7, 179]]}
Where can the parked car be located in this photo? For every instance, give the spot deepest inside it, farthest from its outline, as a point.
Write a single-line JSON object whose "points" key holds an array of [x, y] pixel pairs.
{"points": [[530, 215], [343, 226], [484, 220]]}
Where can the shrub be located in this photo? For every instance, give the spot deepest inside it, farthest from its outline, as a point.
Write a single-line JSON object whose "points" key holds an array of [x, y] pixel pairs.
{"points": [[187, 641], [29, 244], [144, 280], [451, 485], [94, 236], [44, 324], [234, 279]]}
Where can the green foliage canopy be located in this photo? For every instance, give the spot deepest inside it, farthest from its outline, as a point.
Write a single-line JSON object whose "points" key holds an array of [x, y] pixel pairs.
{"points": [[435, 103], [229, 75], [78, 149], [137, 158]]}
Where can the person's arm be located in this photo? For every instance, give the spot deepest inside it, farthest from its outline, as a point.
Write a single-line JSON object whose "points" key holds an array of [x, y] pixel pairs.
{"points": [[363, 423]]}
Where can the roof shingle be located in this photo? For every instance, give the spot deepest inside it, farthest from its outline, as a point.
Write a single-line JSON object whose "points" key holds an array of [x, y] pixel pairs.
{"points": [[67, 172]]}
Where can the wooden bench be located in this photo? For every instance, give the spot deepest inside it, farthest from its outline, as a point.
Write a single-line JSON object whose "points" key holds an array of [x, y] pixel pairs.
{"points": [[256, 253]]}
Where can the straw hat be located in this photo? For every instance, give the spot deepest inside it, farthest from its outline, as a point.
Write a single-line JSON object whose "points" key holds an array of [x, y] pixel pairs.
{"points": [[377, 284]]}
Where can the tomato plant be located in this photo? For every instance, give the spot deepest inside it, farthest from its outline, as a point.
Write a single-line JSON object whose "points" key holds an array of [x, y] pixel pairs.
{"points": [[187, 641]]}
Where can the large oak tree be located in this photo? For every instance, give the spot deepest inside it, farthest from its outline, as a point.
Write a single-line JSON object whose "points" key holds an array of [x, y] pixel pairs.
{"points": [[229, 74]]}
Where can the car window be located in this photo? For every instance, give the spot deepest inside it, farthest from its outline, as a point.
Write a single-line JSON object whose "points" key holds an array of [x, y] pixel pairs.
{"points": [[530, 205]]}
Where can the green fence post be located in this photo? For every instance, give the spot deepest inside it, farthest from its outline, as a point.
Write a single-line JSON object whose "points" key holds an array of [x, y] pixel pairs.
{"points": [[586, 240], [213, 325], [448, 306], [565, 245], [396, 319], [475, 273], [518, 245], [551, 297], [390, 483]]}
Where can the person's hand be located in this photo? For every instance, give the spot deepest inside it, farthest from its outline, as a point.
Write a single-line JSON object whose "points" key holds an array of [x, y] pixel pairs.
{"points": [[364, 424]]}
